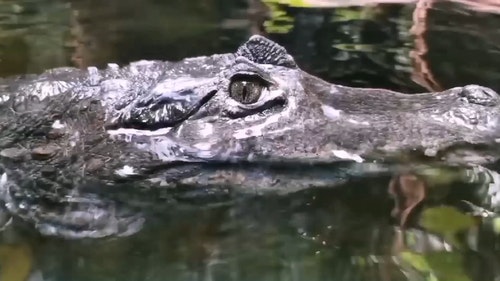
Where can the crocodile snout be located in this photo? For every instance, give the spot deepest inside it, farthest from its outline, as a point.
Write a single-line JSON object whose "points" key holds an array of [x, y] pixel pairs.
{"points": [[478, 109]]}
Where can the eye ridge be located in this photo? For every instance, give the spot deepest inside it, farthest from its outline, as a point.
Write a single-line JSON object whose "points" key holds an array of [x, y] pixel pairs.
{"points": [[247, 88]]}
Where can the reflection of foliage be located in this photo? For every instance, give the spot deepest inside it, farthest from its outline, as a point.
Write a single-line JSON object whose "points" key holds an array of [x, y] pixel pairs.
{"points": [[16, 262], [437, 266], [442, 250], [439, 263], [280, 21], [446, 221], [347, 14], [496, 225], [291, 3], [348, 45]]}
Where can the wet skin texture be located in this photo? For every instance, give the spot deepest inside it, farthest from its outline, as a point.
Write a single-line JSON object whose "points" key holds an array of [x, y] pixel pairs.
{"points": [[74, 142]]}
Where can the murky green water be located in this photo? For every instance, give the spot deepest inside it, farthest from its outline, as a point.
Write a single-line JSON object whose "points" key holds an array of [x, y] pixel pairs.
{"points": [[427, 223]]}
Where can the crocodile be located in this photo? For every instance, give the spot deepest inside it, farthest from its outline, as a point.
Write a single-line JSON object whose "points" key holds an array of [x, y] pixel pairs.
{"points": [[74, 142]]}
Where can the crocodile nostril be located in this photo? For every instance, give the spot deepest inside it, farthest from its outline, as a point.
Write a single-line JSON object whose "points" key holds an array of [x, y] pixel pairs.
{"points": [[480, 95]]}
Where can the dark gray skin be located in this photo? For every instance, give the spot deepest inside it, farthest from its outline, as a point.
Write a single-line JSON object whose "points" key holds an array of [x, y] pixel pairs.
{"points": [[70, 138]]}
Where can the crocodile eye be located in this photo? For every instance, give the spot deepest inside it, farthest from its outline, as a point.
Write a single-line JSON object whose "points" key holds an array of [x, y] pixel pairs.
{"points": [[246, 89]]}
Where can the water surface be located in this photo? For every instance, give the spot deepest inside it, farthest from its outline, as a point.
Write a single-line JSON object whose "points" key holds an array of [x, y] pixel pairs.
{"points": [[425, 223]]}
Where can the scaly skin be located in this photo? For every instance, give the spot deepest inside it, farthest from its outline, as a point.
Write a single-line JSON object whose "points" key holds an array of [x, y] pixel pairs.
{"points": [[74, 142]]}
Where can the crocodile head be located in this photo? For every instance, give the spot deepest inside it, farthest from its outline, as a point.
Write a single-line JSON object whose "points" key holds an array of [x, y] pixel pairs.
{"points": [[257, 105], [68, 136]]}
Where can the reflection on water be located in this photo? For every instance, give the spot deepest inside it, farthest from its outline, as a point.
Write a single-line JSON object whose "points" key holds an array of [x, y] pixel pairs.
{"points": [[426, 45], [424, 223]]}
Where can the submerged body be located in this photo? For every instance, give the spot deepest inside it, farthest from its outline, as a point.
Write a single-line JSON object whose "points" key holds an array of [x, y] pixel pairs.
{"points": [[69, 136]]}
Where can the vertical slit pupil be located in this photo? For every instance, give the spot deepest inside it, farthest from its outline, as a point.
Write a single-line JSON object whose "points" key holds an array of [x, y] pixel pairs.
{"points": [[246, 89], [245, 94]]}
